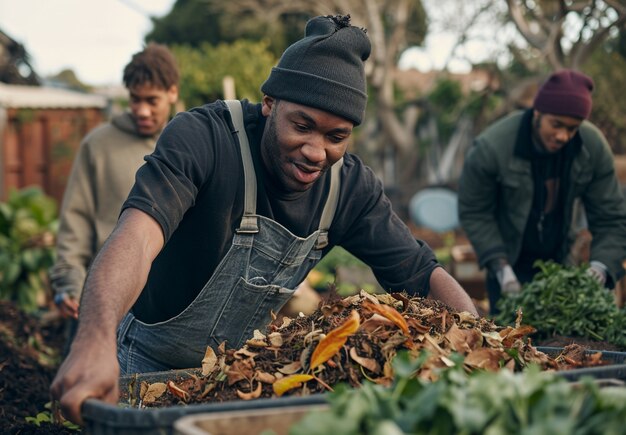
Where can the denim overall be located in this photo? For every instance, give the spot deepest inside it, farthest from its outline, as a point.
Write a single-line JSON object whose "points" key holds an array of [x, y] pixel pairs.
{"points": [[259, 273]]}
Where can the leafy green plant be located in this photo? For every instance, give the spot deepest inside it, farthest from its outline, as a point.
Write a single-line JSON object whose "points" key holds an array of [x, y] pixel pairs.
{"points": [[28, 224], [481, 402], [48, 418], [566, 301]]}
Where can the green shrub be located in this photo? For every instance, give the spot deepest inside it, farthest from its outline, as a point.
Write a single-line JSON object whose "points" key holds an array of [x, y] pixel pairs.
{"points": [[28, 223]]}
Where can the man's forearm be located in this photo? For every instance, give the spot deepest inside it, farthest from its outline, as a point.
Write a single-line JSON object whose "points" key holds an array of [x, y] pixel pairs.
{"points": [[445, 288], [118, 274]]}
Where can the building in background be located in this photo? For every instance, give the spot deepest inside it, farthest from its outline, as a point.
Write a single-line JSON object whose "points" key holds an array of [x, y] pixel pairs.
{"points": [[40, 131]]}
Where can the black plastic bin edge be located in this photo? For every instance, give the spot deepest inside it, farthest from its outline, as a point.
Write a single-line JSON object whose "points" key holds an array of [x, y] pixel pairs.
{"points": [[617, 370], [105, 419]]}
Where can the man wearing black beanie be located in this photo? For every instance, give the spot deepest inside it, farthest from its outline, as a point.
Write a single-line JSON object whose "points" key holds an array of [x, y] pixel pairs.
{"points": [[521, 180], [235, 206]]}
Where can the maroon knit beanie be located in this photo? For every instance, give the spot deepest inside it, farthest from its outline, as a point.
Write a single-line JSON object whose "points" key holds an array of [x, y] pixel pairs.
{"points": [[566, 93]]}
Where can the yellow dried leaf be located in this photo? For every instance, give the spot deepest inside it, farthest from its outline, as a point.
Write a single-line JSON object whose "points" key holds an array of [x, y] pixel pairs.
{"points": [[335, 339], [390, 313], [255, 394], [209, 361], [289, 382]]}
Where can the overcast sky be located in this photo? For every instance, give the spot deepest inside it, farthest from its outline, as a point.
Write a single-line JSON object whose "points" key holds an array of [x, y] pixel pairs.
{"points": [[95, 38]]}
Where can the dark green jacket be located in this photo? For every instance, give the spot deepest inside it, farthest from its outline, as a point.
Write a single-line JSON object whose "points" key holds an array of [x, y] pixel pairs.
{"points": [[496, 194]]}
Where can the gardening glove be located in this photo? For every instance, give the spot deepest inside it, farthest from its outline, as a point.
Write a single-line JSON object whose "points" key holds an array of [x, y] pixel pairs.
{"points": [[598, 271], [505, 276], [509, 284]]}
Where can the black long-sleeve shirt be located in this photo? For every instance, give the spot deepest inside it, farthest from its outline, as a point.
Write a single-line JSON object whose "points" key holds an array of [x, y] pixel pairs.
{"points": [[193, 186]]}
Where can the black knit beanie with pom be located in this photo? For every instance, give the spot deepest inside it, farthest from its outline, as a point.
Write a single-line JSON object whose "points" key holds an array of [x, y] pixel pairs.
{"points": [[325, 69]]}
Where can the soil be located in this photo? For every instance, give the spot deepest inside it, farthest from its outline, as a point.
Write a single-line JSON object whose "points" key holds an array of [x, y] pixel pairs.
{"points": [[29, 357]]}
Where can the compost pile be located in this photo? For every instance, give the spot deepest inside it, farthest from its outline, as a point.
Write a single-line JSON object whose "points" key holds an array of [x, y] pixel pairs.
{"points": [[350, 340]]}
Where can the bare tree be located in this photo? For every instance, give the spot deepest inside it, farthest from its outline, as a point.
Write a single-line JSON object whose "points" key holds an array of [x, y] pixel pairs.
{"points": [[15, 65], [566, 32]]}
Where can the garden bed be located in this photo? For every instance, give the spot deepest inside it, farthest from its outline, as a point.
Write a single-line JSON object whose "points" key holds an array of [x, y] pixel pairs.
{"points": [[374, 330]]}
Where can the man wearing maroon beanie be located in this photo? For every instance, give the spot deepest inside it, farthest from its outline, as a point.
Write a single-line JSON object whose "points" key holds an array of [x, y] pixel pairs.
{"points": [[522, 178]]}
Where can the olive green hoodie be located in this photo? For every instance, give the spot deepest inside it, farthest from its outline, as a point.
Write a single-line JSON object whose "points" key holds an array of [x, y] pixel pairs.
{"points": [[102, 175]]}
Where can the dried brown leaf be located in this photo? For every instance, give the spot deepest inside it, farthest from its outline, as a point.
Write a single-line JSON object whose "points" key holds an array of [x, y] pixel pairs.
{"points": [[510, 335], [276, 339], [463, 340], [178, 392], [239, 370], [369, 363], [492, 338], [485, 358], [402, 298], [291, 368], [244, 353], [254, 394], [209, 362], [266, 378], [153, 392], [374, 322], [255, 342]]}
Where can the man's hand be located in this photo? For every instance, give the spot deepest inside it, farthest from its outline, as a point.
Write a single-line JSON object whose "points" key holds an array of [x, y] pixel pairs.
{"points": [[598, 271], [90, 370], [67, 305]]}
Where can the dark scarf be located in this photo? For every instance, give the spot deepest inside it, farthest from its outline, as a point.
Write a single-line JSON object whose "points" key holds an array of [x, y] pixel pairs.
{"points": [[545, 230]]}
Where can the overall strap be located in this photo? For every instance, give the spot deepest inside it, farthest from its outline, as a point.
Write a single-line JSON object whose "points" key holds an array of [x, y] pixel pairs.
{"points": [[249, 223], [331, 204]]}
